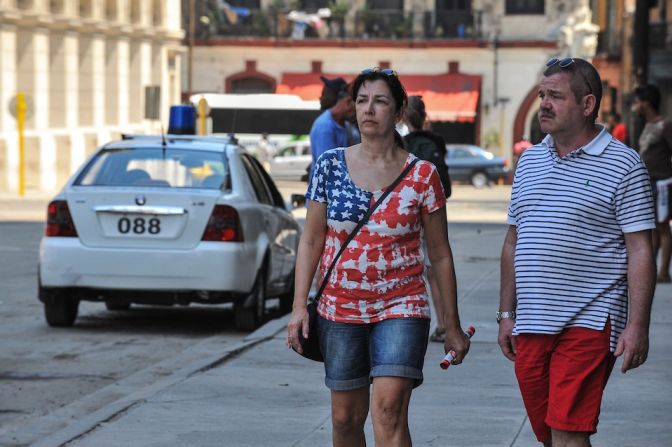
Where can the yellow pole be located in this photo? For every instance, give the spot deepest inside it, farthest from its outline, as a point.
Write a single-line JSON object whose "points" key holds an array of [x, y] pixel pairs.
{"points": [[20, 121], [201, 116]]}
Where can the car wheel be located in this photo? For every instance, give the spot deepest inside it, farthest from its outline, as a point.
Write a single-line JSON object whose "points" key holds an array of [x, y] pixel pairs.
{"points": [[248, 318], [59, 310], [479, 179], [115, 305]]}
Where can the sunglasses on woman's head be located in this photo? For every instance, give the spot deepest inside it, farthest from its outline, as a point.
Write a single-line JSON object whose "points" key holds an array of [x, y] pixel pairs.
{"points": [[385, 71], [565, 64]]}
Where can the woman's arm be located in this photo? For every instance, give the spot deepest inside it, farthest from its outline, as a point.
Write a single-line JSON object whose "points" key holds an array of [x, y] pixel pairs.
{"points": [[441, 257], [310, 250]]}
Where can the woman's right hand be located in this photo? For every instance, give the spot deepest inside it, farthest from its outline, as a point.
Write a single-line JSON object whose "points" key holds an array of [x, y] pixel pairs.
{"points": [[298, 321]]}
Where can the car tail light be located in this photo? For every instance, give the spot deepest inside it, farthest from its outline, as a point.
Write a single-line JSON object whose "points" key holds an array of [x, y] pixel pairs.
{"points": [[223, 225], [506, 162], [59, 220]]}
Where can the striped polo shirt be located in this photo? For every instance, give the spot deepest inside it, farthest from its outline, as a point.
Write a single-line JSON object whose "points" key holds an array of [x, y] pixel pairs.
{"points": [[571, 214]]}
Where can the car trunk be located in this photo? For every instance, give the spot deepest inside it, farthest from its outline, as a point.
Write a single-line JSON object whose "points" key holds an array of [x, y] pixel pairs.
{"points": [[141, 217]]}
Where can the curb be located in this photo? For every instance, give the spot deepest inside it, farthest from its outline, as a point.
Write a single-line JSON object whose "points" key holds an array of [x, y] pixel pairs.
{"points": [[113, 410]]}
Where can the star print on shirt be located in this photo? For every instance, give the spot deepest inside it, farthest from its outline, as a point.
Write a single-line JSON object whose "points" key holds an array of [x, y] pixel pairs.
{"points": [[380, 274]]}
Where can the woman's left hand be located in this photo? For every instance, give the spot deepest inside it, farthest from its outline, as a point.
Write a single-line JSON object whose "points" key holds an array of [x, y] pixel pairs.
{"points": [[458, 342]]}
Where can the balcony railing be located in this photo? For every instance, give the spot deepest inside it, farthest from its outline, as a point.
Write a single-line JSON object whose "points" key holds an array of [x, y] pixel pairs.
{"points": [[366, 24]]}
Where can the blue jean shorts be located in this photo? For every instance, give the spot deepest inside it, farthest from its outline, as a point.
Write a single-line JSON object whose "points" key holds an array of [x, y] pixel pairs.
{"points": [[356, 353]]}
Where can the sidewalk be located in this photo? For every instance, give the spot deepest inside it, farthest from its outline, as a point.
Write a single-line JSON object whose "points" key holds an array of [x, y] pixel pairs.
{"points": [[263, 394]]}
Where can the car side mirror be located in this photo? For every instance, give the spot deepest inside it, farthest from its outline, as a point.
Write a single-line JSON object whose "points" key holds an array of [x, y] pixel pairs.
{"points": [[298, 201]]}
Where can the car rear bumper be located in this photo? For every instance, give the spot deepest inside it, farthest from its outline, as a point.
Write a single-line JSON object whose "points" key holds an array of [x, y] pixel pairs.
{"points": [[210, 266], [496, 173]]}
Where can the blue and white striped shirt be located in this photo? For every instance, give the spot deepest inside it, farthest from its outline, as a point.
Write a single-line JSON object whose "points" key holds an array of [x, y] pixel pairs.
{"points": [[571, 214]]}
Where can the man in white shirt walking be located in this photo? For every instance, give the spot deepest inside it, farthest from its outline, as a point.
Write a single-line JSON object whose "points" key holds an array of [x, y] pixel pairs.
{"points": [[577, 266]]}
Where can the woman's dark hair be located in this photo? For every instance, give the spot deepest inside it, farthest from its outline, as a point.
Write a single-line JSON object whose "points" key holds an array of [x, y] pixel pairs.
{"points": [[650, 94], [415, 113], [392, 80]]}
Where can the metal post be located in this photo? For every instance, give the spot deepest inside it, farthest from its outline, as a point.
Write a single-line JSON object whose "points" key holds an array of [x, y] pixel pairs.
{"points": [[640, 47], [190, 44], [20, 122]]}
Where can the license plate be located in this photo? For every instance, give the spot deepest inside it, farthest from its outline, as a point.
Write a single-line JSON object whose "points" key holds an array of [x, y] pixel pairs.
{"points": [[141, 226]]}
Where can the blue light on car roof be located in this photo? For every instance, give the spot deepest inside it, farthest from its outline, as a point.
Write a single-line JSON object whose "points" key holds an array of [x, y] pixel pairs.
{"points": [[182, 120]]}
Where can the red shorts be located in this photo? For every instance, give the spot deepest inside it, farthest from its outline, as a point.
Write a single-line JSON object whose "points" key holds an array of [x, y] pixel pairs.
{"points": [[562, 378]]}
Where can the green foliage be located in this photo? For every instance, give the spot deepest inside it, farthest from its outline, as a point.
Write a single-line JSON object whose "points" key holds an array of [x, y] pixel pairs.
{"points": [[339, 9], [491, 138]]}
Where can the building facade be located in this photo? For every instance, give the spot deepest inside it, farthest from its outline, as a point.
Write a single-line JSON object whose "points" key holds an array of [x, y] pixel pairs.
{"points": [[500, 46], [90, 70]]}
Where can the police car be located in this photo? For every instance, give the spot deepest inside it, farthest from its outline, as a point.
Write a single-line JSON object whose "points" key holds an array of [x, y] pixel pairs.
{"points": [[172, 219]]}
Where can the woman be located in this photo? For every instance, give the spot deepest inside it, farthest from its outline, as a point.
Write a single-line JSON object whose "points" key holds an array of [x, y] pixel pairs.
{"points": [[374, 311], [429, 146]]}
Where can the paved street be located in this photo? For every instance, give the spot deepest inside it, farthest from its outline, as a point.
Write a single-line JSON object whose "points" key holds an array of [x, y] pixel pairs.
{"points": [[258, 393]]}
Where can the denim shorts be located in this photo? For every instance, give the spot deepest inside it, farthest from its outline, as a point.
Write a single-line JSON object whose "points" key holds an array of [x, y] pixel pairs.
{"points": [[356, 353]]}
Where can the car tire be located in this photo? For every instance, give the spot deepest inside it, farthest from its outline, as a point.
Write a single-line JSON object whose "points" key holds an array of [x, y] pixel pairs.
{"points": [[117, 306], [59, 310], [479, 179], [248, 318]]}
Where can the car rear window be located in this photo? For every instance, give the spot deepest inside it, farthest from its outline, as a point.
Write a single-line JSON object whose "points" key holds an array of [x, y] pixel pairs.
{"points": [[169, 168]]}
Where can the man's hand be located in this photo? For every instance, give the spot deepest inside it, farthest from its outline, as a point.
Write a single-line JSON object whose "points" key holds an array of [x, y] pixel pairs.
{"points": [[507, 342], [633, 345]]}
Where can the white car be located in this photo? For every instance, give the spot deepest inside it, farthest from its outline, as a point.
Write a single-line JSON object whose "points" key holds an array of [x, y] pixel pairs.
{"points": [[168, 220], [292, 161]]}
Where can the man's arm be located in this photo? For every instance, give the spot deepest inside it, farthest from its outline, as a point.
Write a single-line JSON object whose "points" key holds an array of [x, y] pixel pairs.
{"points": [[633, 343], [507, 294]]}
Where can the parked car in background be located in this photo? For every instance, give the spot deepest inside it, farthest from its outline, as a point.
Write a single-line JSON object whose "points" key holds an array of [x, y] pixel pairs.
{"points": [[470, 163], [168, 220], [291, 162]]}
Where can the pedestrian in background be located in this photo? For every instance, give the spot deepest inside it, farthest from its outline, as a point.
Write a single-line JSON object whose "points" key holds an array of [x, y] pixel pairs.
{"points": [[374, 312], [577, 267], [330, 90], [265, 151], [655, 148], [616, 127], [328, 130], [429, 146]]}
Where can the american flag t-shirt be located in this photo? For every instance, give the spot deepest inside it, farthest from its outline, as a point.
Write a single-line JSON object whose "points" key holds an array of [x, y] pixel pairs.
{"points": [[380, 274]]}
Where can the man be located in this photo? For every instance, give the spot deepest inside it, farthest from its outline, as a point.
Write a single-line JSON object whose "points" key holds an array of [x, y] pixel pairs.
{"points": [[655, 148], [329, 130], [577, 267], [330, 91]]}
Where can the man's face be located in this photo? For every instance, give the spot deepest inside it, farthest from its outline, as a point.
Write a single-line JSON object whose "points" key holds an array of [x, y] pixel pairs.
{"points": [[328, 98], [638, 106], [559, 111]]}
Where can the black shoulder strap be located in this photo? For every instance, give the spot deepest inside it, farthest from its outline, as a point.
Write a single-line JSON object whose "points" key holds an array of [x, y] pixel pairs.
{"points": [[362, 222]]}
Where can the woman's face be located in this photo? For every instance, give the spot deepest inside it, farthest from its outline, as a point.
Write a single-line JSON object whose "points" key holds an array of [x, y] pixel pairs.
{"points": [[376, 109]]}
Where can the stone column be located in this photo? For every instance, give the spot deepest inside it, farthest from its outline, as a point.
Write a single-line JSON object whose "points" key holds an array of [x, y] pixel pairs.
{"points": [[8, 146]]}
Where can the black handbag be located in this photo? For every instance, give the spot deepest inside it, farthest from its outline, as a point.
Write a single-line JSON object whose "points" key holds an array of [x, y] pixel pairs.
{"points": [[311, 345]]}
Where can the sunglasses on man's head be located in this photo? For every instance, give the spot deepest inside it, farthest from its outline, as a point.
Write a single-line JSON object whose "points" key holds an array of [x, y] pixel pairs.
{"points": [[385, 71], [565, 64]]}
